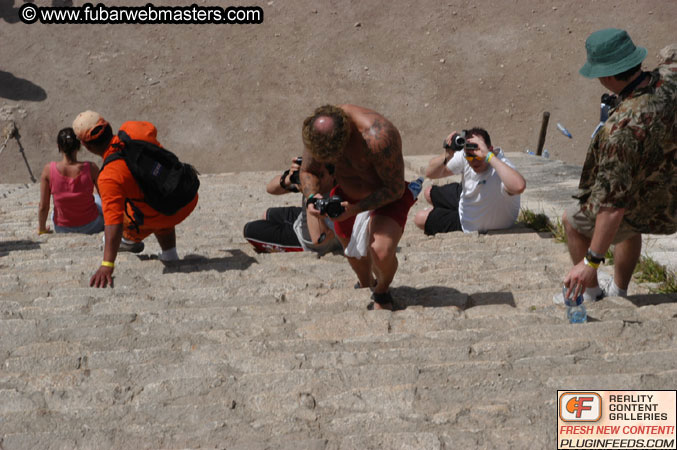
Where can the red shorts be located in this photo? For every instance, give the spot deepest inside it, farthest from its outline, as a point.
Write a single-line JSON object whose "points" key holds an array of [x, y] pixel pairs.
{"points": [[397, 210]]}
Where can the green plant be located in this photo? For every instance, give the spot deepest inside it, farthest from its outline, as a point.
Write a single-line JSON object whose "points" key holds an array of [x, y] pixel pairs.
{"points": [[558, 231], [650, 271], [609, 257], [535, 221], [540, 222]]}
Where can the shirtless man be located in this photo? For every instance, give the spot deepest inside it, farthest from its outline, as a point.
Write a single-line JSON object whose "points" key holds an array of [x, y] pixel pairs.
{"points": [[366, 150]]}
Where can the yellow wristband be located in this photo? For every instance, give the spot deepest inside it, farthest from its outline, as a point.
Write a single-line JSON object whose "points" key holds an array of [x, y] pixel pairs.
{"points": [[590, 263], [489, 156], [108, 264]]}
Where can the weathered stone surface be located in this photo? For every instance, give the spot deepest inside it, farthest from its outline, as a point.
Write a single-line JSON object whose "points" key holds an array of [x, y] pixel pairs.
{"points": [[230, 349]]}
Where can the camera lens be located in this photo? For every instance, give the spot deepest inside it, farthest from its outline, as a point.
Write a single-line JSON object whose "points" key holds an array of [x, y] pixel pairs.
{"points": [[457, 142], [334, 207]]}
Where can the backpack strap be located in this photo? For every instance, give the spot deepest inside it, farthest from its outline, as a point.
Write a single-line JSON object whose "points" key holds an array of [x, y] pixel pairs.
{"points": [[113, 157], [124, 137], [137, 217]]}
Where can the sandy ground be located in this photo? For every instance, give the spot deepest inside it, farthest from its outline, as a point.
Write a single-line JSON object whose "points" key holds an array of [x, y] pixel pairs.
{"points": [[232, 97]]}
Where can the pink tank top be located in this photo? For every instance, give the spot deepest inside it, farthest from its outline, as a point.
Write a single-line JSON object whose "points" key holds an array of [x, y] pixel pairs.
{"points": [[73, 200]]}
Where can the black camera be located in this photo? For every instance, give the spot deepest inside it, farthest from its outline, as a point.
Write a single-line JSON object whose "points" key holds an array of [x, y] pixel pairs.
{"points": [[330, 206], [609, 100], [294, 177], [459, 142]]}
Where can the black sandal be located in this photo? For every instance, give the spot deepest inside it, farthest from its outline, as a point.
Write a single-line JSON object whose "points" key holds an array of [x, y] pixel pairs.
{"points": [[383, 298]]}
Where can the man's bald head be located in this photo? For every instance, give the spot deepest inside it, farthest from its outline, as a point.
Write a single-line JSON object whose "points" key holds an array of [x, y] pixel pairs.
{"points": [[326, 133], [323, 125]]}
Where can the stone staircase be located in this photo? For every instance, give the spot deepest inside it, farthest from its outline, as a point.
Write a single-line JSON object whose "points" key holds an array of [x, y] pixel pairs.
{"points": [[230, 349]]}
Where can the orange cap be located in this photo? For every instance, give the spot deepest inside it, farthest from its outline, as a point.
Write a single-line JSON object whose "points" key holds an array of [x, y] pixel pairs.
{"points": [[89, 125]]}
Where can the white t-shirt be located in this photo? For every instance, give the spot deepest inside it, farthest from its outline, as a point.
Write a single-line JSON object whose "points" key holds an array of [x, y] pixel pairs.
{"points": [[485, 204], [303, 235]]}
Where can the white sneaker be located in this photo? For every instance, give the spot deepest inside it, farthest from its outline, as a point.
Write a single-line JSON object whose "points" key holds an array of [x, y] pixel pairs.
{"points": [[169, 255]]}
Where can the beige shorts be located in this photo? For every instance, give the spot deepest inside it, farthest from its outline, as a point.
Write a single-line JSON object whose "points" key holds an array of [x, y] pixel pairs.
{"points": [[586, 227]]}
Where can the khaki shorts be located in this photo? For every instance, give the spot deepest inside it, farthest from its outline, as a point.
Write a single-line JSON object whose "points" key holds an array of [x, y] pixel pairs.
{"points": [[586, 227]]}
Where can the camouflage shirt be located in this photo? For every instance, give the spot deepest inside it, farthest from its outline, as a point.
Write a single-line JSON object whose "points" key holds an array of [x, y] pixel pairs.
{"points": [[631, 162]]}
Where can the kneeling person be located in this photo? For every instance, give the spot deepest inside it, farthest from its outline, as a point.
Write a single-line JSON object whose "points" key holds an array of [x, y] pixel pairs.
{"points": [[287, 228], [487, 197], [121, 196]]}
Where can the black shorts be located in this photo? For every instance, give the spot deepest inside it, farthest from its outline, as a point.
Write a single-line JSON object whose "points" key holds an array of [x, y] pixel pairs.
{"points": [[444, 216], [276, 232]]}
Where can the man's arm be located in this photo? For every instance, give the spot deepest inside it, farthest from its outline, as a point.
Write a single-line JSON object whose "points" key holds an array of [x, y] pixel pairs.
{"points": [[385, 154], [437, 167], [606, 225], [316, 228], [513, 181], [274, 188], [311, 172], [104, 275], [112, 202], [281, 184]]}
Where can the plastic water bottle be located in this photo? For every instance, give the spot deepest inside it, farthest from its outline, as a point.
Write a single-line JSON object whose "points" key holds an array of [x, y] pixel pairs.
{"points": [[564, 131], [546, 154], [576, 312], [416, 186]]}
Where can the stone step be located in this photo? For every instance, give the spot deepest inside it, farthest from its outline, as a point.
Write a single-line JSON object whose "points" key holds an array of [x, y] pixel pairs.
{"points": [[483, 347], [229, 347], [422, 391]]}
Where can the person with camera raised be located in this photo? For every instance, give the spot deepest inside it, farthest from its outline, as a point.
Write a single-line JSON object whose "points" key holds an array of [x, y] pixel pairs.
{"points": [[488, 197], [287, 228], [628, 185], [366, 150]]}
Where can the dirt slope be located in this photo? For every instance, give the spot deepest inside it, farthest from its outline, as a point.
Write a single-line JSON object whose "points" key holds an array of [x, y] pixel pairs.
{"points": [[232, 97]]}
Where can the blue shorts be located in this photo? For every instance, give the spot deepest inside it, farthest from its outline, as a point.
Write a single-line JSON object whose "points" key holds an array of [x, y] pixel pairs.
{"points": [[93, 227]]}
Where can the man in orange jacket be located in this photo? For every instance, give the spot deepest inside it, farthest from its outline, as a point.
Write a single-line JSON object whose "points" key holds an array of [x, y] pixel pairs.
{"points": [[116, 184]]}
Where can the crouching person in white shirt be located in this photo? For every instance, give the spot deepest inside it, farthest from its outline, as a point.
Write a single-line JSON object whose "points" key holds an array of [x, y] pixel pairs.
{"points": [[487, 197]]}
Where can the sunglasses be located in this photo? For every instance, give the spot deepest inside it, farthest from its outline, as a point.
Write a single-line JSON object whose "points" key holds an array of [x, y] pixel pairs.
{"points": [[471, 146]]}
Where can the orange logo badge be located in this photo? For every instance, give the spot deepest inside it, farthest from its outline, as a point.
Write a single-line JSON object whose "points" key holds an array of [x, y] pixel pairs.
{"points": [[580, 407]]}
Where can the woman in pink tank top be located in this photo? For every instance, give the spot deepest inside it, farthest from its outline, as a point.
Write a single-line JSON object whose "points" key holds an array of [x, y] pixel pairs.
{"points": [[71, 183]]}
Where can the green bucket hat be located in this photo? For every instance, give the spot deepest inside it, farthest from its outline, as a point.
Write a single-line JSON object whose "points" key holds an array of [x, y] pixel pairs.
{"points": [[610, 52]]}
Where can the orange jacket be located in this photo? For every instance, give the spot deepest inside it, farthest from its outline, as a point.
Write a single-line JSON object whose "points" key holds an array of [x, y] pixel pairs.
{"points": [[116, 184]]}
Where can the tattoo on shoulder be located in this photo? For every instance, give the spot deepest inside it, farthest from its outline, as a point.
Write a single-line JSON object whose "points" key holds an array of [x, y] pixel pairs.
{"points": [[382, 137], [385, 144]]}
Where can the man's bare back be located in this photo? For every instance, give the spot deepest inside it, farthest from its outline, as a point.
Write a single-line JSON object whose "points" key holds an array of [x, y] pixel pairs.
{"points": [[366, 150], [371, 168]]}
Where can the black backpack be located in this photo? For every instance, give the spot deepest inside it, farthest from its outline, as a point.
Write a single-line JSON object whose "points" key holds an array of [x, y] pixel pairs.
{"points": [[167, 184]]}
